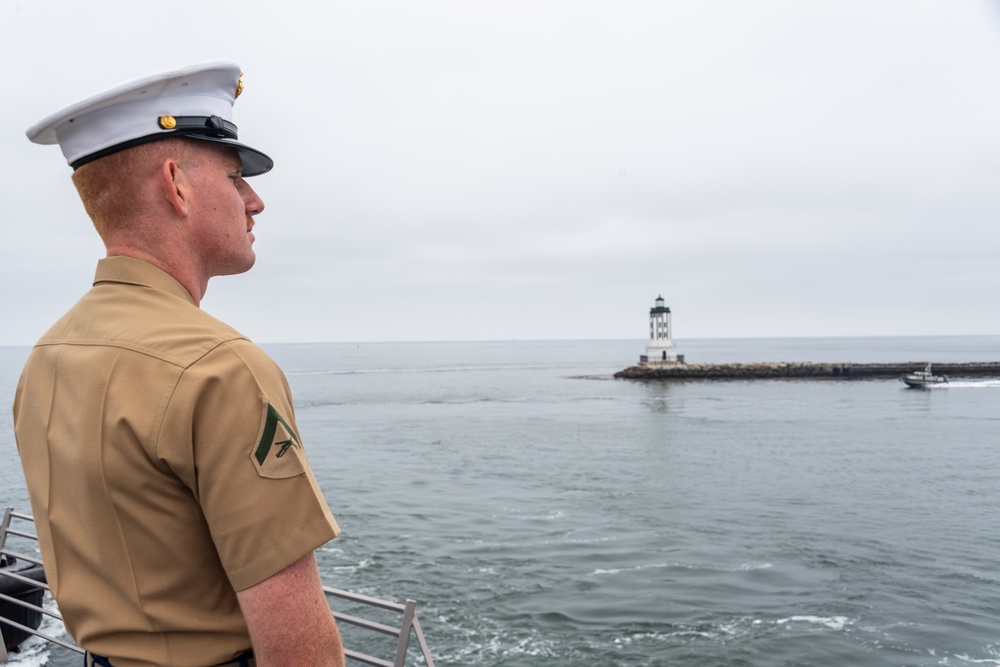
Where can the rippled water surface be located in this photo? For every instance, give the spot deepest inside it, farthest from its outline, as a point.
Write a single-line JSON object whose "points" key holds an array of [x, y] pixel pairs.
{"points": [[543, 513]]}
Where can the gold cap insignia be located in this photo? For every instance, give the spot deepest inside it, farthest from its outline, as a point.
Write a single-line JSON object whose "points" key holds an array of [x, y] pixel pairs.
{"points": [[168, 122], [239, 86]]}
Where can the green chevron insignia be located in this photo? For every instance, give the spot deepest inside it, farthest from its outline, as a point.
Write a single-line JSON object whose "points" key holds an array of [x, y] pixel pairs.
{"points": [[276, 433]]}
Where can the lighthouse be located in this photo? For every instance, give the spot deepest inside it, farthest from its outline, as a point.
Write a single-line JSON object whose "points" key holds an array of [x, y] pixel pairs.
{"points": [[661, 348]]}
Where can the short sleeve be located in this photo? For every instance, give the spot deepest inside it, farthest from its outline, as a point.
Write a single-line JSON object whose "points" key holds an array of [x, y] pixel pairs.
{"points": [[230, 435]]}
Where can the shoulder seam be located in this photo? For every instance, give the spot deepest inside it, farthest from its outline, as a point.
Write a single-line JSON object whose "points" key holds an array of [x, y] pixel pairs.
{"points": [[211, 344]]}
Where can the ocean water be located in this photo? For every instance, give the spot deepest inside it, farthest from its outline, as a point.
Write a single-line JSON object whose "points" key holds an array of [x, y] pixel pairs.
{"points": [[543, 513]]}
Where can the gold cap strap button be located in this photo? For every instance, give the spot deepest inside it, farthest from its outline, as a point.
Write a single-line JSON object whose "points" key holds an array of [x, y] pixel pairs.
{"points": [[168, 122]]}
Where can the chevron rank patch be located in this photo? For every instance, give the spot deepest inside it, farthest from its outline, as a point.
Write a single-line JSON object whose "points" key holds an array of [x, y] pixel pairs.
{"points": [[278, 453]]}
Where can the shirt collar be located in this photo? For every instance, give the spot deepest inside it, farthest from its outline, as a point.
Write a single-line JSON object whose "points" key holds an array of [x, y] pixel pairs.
{"points": [[131, 271]]}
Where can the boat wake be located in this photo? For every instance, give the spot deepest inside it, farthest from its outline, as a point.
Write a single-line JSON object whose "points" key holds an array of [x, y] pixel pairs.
{"points": [[972, 384], [37, 652]]}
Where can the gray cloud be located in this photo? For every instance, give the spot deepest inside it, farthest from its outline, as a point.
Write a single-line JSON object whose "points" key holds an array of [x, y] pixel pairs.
{"points": [[452, 170]]}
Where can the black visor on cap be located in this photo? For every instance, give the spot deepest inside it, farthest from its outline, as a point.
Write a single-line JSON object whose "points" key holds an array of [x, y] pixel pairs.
{"points": [[222, 131], [203, 128], [254, 162]]}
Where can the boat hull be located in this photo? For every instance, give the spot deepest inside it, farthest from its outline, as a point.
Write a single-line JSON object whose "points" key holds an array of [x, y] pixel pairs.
{"points": [[923, 381], [12, 636], [920, 383]]}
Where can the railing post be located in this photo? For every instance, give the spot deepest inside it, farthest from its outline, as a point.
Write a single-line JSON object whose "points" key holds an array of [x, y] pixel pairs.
{"points": [[424, 648], [404, 633], [4, 524]]}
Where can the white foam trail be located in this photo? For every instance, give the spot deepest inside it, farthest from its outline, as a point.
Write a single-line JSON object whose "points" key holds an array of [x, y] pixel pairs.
{"points": [[970, 384], [832, 622], [984, 661]]}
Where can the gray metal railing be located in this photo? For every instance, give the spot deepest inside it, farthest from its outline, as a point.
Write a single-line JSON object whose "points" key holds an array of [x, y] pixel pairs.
{"points": [[11, 524], [402, 629], [408, 624]]}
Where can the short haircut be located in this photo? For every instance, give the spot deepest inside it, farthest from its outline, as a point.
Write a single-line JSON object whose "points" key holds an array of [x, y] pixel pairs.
{"points": [[111, 188]]}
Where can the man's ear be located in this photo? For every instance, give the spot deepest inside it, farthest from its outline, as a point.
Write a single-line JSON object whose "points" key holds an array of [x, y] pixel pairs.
{"points": [[175, 187]]}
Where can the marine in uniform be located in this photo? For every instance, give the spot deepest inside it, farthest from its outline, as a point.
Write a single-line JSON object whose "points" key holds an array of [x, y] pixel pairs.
{"points": [[176, 510]]}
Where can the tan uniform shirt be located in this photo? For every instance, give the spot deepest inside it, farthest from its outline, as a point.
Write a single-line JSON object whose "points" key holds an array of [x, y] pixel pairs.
{"points": [[164, 468]]}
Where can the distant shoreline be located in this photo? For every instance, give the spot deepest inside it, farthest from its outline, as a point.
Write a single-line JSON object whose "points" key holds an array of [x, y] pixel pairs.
{"points": [[802, 370]]}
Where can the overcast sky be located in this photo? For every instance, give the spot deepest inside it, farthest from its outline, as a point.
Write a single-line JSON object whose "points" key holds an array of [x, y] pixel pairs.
{"points": [[494, 170]]}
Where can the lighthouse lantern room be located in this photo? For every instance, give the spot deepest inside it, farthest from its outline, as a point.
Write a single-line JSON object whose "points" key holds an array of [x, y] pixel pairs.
{"points": [[661, 348]]}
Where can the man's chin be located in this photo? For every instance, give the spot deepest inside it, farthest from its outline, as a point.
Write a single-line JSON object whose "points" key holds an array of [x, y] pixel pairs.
{"points": [[236, 269]]}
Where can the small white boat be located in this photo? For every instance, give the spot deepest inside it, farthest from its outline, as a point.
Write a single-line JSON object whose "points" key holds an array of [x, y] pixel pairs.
{"points": [[924, 378]]}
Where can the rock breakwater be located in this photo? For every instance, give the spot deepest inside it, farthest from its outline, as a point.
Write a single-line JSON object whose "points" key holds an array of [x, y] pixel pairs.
{"points": [[801, 370]]}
